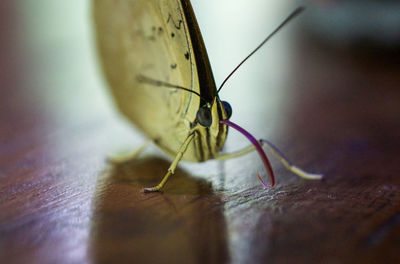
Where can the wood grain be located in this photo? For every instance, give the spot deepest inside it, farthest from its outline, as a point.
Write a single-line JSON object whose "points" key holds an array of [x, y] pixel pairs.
{"points": [[61, 202]]}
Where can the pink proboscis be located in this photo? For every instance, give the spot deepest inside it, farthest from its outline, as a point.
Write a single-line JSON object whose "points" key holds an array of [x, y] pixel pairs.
{"points": [[259, 149]]}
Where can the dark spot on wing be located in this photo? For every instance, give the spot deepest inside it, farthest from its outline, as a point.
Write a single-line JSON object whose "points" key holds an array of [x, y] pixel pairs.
{"points": [[177, 25], [172, 34], [160, 30], [187, 55], [173, 66]]}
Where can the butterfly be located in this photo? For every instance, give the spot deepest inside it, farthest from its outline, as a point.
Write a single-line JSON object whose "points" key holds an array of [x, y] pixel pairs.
{"points": [[157, 68]]}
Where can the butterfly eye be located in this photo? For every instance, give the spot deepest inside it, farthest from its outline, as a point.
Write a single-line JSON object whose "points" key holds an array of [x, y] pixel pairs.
{"points": [[227, 108], [204, 116]]}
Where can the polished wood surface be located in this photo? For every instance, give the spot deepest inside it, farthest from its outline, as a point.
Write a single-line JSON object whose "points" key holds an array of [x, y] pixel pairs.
{"points": [[61, 202]]}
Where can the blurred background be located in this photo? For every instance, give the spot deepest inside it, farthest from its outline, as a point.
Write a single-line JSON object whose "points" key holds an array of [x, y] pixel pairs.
{"points": [[325, 89]]}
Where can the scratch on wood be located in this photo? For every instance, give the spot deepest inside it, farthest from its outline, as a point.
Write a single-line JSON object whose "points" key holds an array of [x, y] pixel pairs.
{"points": [[383, 231]]}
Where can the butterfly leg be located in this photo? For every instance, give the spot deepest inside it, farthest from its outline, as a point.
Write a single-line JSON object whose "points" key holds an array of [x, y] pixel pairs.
{"points": [[278, 154], [120, 158], [173, 165]]}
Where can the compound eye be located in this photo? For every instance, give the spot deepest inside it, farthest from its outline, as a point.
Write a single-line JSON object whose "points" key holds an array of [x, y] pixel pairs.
{"points": [[204, 116], [227, 108]]}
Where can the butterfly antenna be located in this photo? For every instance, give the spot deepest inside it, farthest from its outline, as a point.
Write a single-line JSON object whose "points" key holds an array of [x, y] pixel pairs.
{"points": [[145, 79], [290, 17]]}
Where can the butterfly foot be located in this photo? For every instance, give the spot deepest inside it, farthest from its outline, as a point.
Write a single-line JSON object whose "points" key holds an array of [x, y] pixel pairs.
{"points": [[161, 184], [152, 189]]}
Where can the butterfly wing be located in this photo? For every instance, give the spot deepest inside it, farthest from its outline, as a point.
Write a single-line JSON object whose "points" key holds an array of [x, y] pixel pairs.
{"points": [[153, 39]]}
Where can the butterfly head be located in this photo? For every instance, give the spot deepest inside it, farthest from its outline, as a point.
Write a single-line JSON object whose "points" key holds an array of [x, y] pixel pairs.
{"points": [[204, 115], [227, 108]]}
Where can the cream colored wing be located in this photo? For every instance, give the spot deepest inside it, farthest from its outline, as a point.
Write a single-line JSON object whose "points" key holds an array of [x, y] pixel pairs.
{"points": [[149, 38]]}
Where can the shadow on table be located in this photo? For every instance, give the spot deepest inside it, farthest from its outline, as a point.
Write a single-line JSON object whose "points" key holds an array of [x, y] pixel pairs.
{"points": [[185, 224]]}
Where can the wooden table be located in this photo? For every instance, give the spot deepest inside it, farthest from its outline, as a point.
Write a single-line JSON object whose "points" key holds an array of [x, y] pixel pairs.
{"points": [[337, 112]]}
